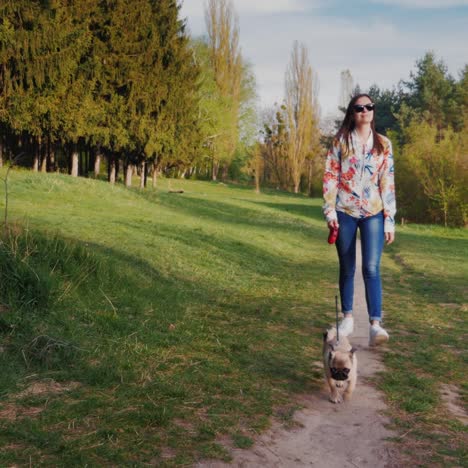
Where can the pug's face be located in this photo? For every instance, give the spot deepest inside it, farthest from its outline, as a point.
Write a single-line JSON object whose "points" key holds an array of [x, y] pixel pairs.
{"points": [[340, 363]]}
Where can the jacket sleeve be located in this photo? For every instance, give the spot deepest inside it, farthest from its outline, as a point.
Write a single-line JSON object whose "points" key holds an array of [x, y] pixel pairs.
{"points": [[387, 189], [331, 179]]}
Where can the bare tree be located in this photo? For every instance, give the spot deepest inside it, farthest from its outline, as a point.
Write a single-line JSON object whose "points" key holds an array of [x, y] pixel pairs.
{"points": [[347, 87], [274, 149], [301, 110]]}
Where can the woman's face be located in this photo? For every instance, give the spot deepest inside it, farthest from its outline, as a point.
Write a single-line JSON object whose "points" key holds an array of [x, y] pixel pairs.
{"points": [[361, 114]]}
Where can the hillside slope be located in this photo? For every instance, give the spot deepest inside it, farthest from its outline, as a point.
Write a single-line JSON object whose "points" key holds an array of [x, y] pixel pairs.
{"points": [[175, 316], [161, 328]]}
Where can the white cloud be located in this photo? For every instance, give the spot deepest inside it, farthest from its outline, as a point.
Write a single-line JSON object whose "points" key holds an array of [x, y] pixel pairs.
{"points": [[194, 8], [273, 6], [426, 4], [382, 52]]}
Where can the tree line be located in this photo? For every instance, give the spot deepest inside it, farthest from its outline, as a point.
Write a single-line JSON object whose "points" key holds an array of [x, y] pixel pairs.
{"points": [[120, 82], [119, 86], [426, 117]]}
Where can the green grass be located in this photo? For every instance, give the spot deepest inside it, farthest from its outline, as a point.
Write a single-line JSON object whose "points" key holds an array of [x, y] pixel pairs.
{"points": [[182, 317], [177, 321], [426, 303]]}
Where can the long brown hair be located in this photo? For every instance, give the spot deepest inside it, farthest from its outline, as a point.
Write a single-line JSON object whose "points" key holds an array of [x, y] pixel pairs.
{"points": [[349, 125]]}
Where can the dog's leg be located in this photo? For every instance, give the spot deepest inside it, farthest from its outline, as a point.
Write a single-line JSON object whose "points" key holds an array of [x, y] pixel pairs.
{"points": [[335, 397], [351, 386]]}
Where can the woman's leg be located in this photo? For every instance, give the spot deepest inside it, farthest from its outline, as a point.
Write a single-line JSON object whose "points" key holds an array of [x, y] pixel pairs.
{"points": [[372, 241], [346, 248]]}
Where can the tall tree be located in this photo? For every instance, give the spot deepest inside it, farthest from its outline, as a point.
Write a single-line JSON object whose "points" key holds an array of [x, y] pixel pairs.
{"points": [[302, 112], [274, 149], [346, 88], [388, 103], [223, 41], [432, 93]]}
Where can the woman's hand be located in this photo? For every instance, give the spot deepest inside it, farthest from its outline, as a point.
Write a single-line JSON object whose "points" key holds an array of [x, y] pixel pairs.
{"points": [[389, 237], [333, 224]]}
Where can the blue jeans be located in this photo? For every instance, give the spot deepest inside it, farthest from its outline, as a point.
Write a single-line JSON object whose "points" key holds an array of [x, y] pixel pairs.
{"points": [[372, 242]]}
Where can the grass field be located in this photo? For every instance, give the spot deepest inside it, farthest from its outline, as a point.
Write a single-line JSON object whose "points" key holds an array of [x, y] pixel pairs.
{"points": [[427, 310], [157, 328]]}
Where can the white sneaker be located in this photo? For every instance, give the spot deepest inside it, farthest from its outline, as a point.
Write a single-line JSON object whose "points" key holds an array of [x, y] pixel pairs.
{"points": [[346, 326], [377, 335]]}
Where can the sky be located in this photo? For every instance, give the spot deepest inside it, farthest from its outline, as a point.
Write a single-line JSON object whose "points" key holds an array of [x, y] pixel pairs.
{"points": [[379, 41]]}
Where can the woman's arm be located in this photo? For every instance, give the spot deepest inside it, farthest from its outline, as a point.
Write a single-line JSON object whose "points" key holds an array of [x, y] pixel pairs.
{"points": [[331, 179], [387, 192]]}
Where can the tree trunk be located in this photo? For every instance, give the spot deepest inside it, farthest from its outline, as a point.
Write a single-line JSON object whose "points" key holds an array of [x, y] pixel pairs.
{"points": [[225, 172], [1, 153], [83, 163], [257, 182], [111, 169], [155, 174], [44, 163], [97, 165], [214, 175], [142, 174], [43, 152], [53, 166], [74, 161], [309, 181], [37, 151], [51, 154], [120, 169], [128, 175]]}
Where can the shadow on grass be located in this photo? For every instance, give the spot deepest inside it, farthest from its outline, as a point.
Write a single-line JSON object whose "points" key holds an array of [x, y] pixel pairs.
{"points": [[308, 211], [157, 342], [235, 214], [130, 295], [239, 254], [250, 188]]}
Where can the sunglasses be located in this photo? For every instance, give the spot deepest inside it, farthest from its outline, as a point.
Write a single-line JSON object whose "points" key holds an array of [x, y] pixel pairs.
{"points": [[360, 108]]}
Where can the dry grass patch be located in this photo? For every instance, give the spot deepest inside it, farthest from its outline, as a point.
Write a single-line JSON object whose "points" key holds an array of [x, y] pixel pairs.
{"points": [[46, 387], [452, 400], [13, 409], [12, 412]]}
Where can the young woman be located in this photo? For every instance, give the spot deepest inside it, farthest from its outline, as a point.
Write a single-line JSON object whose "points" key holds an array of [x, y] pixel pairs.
{"points": [[359, 192]]}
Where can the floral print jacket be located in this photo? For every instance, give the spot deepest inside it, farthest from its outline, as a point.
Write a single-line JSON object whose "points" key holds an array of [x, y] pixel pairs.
{"points": [[360, 183]]}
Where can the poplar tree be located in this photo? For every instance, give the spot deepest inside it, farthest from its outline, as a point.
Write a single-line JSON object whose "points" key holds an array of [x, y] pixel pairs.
{"points": [[212, 107], [226, 60], [302, 112], [274, 149], [346, 89]]}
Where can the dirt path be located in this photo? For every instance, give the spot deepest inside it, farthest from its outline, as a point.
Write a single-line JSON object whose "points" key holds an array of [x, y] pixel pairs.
{"points": [[327, 435]]}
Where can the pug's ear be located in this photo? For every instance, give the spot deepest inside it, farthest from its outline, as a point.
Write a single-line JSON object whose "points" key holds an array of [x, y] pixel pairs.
{"points": [[352, 351], [325, 336]]}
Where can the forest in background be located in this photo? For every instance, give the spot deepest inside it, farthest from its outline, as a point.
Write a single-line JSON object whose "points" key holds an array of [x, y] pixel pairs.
{"points": [[119, 87]]}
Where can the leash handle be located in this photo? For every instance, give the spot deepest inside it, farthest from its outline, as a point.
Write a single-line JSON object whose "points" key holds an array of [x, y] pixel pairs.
{"points": [[336, 308]]}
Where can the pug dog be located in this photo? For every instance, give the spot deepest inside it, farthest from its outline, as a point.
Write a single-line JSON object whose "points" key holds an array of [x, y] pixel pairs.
{"points": [[340, 364]]}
